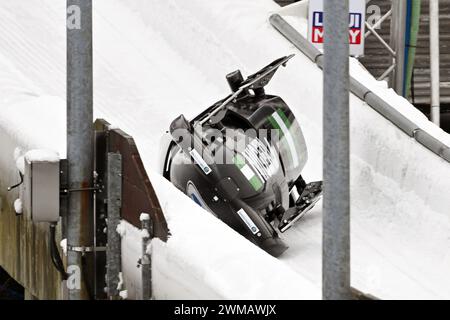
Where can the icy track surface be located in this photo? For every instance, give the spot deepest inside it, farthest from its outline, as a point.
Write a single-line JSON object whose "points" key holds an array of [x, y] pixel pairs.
{"points": [[156, 59]]}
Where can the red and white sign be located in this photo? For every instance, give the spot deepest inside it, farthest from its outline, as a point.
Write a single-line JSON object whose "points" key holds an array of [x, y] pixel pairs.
{"points": [[357, 18]]}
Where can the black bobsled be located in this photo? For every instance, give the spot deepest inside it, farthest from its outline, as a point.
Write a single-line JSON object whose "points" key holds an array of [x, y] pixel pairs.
{"points": [[242, 158]]}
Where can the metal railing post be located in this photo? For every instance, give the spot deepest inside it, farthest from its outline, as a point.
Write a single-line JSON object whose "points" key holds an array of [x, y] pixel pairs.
{"points": [[336, 154], [398, 38], [434, 63], [146, 266], [113, 247], [79, 142]]}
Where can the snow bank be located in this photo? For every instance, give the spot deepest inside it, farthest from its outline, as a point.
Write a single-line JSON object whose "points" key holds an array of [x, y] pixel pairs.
{"points": [[35, 123], [206, 259], [399, 197], [384, 211], [42, 155], [63, 245], [18, 206], [131, 248]]}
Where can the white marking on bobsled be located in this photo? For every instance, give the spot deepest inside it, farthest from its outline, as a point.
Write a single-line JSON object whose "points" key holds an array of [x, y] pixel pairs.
{"points": [[244, 216], [200, 162]]}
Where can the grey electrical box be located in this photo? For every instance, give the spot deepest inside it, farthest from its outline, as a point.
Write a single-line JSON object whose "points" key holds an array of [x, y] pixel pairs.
{"points": [[41, 189]]}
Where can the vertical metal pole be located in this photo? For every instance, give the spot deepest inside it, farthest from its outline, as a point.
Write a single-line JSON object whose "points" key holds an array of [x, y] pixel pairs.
{"points": [[398, 38], [146, 259], [79, 139], [113, 250], [336, 205], [434, 63]]}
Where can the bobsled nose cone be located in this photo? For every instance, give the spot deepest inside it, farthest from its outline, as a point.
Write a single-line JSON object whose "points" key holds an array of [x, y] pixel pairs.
{"points": [[274, 246]]}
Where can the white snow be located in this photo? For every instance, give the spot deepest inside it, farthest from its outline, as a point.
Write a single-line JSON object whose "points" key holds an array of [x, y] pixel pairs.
{"points": [[18, 207], [32, 124], [144, 217], [19, 158], [146, 74], [206, 259], [112, 127], [17, 153], [63, 245], [149, 248], [131, 249], [120, 283], [144, 234], [20, 164], [123, 294], [121, 228], [41, 155]]}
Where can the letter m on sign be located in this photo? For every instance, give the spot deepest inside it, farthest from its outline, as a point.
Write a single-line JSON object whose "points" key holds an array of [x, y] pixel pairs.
{"points": [[317, 27]]}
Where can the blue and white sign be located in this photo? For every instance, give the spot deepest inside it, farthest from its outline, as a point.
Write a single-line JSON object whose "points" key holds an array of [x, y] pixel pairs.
{"points": [[357, 18]]}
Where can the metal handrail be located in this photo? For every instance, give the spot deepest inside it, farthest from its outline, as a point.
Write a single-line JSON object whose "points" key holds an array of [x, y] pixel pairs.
{"points": [[361, 91]]}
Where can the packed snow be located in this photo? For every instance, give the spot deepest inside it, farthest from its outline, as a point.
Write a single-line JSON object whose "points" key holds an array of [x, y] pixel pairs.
{"points": [[124, 294], [38, 155], [131, 250], [120, 283], [144, 234], [206, 259], [157, 59], [63, 245], [121, 228], [18, 206]]}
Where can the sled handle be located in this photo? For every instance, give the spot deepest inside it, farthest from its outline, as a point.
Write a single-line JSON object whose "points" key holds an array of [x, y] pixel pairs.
{"points": [[257, 80]]}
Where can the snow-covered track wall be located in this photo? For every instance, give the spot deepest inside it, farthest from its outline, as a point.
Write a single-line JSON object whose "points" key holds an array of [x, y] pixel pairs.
{"points": [[400, 188], [157, 59], [201, 258], [361, 91]]}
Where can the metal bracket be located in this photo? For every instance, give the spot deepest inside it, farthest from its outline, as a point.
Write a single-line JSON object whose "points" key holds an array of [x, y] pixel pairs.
{"points": [[85, 249], [66, 190], [64, 173]]}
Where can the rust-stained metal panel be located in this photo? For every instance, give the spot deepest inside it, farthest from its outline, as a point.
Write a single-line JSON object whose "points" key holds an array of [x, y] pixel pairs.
{"points": [[138, 195]]}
